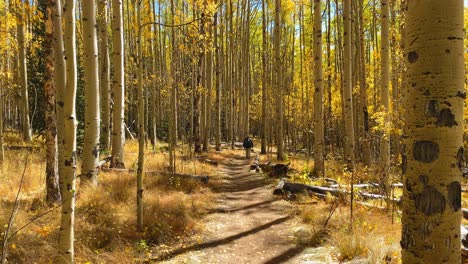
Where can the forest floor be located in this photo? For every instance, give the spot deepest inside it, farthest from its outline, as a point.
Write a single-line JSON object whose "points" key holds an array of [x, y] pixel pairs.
{"points": [[247, 224]]}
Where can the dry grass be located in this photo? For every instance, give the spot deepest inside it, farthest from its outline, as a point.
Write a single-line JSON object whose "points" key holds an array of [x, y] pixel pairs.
{"points": [[373, 238], [105, 216]]}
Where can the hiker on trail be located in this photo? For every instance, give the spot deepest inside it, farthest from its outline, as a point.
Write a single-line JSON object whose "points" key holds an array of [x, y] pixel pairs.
{"points": [[248, 145]]}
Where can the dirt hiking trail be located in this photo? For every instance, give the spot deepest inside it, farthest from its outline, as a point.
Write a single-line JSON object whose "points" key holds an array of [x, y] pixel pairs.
{"points": [[247, 225]]}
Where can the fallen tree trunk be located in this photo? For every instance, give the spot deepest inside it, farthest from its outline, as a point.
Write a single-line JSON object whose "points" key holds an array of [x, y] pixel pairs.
{"points": [[289, 187], [104, 161], [209, 161], [366, 185], [20, 147]]}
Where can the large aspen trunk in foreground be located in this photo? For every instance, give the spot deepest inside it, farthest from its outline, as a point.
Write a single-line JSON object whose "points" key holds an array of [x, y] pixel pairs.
{"points": [[52, 180], [67, 180], [89, 170], [118, 88], [433, 145], [319, 164], [23, 73]]}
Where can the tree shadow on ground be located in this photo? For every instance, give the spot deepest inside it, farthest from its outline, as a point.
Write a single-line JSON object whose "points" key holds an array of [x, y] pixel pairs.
{"points": [[224, 211], [222, 241], [286, 255]]}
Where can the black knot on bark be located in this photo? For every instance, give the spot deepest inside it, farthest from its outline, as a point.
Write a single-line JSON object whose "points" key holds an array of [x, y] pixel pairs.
{"points": [[430, 201], [454, 195], [412, 56], [425, 151], [446, 118]]}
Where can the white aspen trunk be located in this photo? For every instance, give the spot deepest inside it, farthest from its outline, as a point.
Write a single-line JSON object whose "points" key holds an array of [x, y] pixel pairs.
{"points": [[433, 132], [347, 89], [52, 179], [319, 164], [141, 125], [216, 28], [264, 79], [89, 169], [385, 95], [278, 82], [66, 234], [104, 69], [118, 86], [59, 81], [23, 73]]}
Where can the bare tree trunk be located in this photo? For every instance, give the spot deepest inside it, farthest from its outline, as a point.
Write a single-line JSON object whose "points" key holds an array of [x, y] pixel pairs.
{"points": [[60, 84], [347, 90], [118, 88], [104, 70], [434, 95], [264, 79], [319, 164], [89, 169], [67, 180], [23, 73], [385, 95], [218, 66], [52, 180], [278, 82], [141, 125]]}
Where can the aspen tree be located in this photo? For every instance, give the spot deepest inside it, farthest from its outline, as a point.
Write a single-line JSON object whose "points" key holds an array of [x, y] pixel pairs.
{"points": [[60, 83], [66, 234], [385, 95], [23, 73], [89, 169], [104, 70], [264, 78], [278, 81], [52, 181], [347, 89], [319, 164], [364, 123], [118, 86], [218, 73], [433, 132], [141, 124]]}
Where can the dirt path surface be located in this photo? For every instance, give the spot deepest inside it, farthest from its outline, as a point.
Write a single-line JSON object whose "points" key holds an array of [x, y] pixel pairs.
{"points": [[248, 224]]}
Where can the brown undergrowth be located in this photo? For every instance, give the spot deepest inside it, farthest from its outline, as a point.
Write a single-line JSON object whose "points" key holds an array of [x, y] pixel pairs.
{"points": [[105, 216], [373, 238]]}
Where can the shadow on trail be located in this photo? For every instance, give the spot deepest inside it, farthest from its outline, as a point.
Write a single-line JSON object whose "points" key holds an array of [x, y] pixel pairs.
{"points": [[223, 211], [221, 241], [286, 255]]}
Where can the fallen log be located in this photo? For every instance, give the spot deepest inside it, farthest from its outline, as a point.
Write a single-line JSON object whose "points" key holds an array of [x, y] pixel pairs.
{"points": [[275, 170], [104, 161], [16, 147], [365, 185], [289, 187], [208, 161], [284, 187]]}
